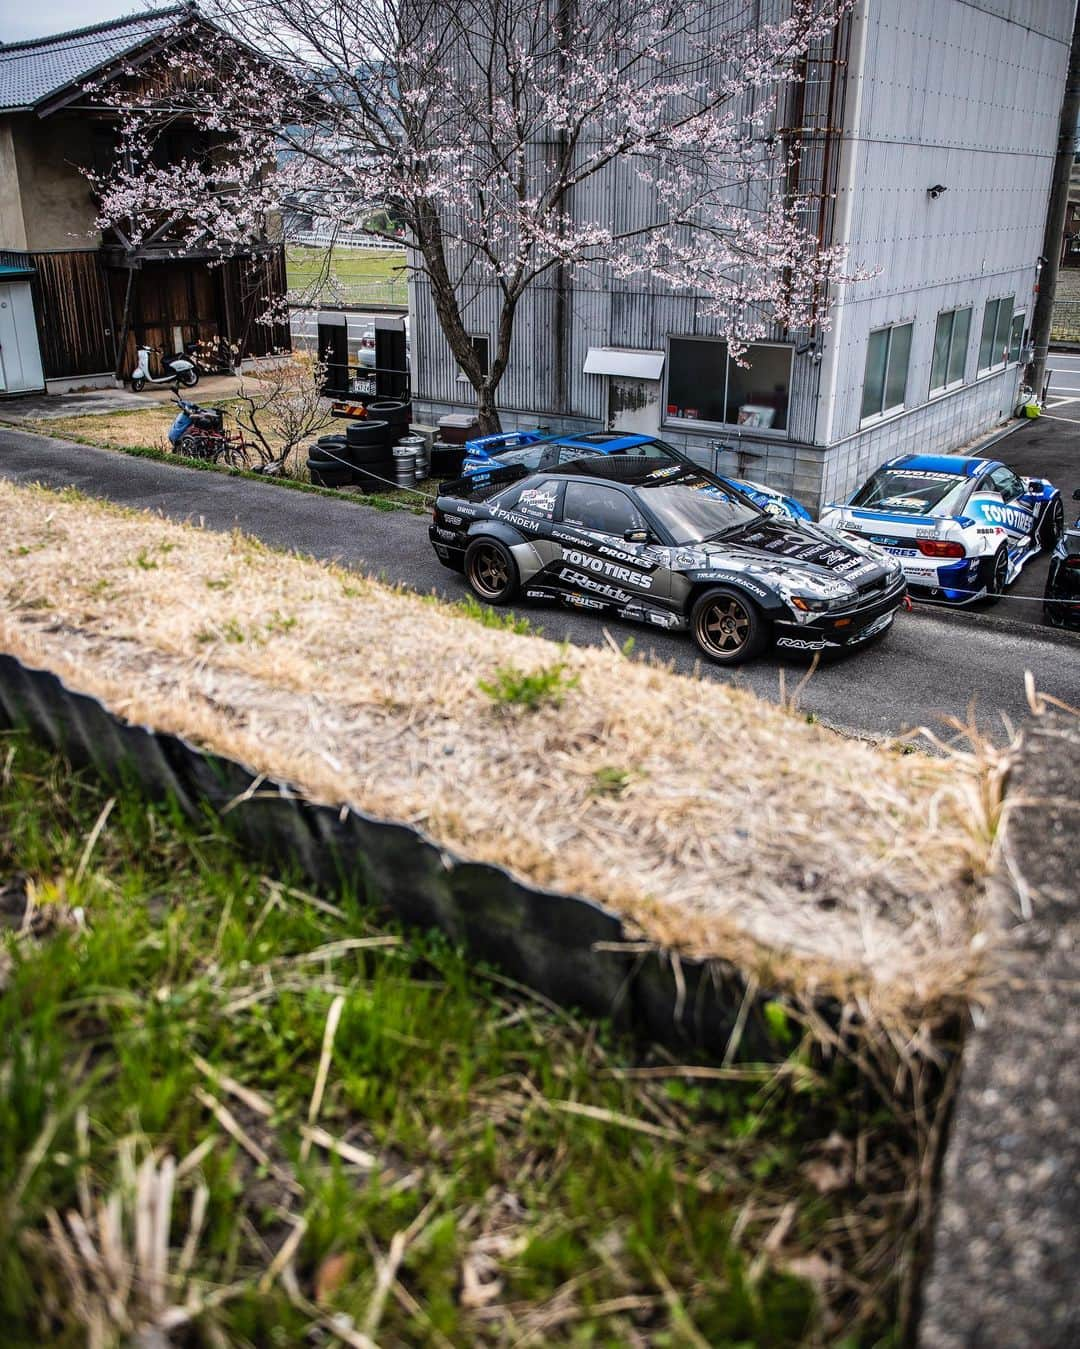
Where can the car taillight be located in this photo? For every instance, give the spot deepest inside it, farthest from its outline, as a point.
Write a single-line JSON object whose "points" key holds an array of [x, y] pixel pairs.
{"points": [[939, 548], [1073, 562]]}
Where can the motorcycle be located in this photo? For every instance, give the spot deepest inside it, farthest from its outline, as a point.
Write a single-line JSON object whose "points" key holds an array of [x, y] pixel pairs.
{"points": [[179, 368]]}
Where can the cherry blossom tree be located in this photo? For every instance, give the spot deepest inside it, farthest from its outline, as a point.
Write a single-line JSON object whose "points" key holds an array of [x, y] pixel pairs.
{"points": [[495, 132]]}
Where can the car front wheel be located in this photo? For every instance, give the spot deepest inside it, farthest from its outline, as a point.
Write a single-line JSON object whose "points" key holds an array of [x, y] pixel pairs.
{"points": [[491, 571], [727, 627]]}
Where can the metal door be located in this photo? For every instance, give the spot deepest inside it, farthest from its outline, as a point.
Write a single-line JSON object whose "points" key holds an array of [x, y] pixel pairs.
{"points": [[20, 359]]}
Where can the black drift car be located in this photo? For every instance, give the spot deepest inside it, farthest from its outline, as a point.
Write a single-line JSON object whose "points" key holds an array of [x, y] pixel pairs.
{"points": [[672, 546]]}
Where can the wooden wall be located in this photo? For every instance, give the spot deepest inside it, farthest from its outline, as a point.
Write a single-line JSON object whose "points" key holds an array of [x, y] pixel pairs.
{"points": [[71, 301], [80, 304]]}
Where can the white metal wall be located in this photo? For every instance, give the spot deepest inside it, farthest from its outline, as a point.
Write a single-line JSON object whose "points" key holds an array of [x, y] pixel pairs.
{"points": [[964, 93]]}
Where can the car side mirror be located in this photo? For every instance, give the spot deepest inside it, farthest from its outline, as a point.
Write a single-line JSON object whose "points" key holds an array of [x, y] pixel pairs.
{"points": [[637, 536], [1037, 484], [1076, 494]]}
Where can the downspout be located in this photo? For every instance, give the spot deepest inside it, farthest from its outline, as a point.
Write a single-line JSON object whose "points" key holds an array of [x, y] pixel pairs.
{"points": [[846, 187]]}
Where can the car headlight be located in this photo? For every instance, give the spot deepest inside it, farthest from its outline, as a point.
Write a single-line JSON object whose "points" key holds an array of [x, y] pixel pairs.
{"points": [[814, 604]]}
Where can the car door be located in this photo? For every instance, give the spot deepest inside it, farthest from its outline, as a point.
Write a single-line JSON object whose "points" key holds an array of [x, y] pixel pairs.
{"points": [[1013, 514], [596, 561]]}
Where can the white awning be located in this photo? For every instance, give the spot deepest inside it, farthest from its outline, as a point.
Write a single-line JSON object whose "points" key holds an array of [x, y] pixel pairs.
{"points": [[624, 361]]}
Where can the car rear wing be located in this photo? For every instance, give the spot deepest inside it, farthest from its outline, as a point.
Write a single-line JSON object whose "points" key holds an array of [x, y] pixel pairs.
{"points": [[480, 486]]}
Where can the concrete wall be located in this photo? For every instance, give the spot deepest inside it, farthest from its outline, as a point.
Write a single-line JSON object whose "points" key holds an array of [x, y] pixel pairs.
{"points": [[12, 230], [53, 195]]}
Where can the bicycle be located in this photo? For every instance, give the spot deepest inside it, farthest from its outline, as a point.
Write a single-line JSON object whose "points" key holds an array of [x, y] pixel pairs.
{"points": [[199, 433]]}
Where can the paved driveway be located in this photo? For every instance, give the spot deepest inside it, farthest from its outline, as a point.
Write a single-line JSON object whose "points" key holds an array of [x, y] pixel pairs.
{"points": [[929, 668]]}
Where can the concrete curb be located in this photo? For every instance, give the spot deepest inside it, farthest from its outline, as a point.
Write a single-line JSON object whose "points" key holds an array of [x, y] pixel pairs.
{"points": [[1007, 1240]]}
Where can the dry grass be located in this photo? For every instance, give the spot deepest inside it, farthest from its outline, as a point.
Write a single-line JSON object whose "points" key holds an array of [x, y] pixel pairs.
{"points": [[716, 823], [147, 428]]}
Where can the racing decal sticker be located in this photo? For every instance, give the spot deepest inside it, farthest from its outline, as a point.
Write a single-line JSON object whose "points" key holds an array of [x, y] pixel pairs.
{"points": [[584, 602], [578, 578], [1013, 517], [617, 573], [446, 533], [539, 500], [801, 644], [729, 578], [452, 519]]}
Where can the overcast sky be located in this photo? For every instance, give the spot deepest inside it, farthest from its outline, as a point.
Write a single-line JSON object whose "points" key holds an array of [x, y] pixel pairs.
{"points": [[19, 19]]}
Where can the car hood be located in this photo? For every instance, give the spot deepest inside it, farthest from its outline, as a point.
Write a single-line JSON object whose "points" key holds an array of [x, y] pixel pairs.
{"points": [[780, 543]]}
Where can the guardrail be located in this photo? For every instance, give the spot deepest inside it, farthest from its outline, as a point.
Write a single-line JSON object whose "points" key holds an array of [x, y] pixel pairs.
{"points": [[339, 239]]}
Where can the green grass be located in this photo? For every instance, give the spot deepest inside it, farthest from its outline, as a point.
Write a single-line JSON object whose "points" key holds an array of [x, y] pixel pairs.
{"points": [[529, 688], [371, 274], [535, 1175]]}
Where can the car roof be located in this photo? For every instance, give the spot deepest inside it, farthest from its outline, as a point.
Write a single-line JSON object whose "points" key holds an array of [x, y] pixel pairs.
{"points": [[631, 470], [957, 464], [607, 442]]}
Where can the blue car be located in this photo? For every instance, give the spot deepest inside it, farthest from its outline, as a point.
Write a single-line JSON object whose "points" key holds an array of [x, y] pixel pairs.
{"points": [[538, 450], [961, 528]]}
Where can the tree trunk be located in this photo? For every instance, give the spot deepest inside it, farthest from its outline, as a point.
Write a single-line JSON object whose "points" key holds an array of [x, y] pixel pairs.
{"points": [[487, 412]]}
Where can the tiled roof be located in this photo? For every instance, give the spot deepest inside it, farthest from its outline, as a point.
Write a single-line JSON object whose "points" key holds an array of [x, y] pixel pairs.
{"points": [[34, 70]]}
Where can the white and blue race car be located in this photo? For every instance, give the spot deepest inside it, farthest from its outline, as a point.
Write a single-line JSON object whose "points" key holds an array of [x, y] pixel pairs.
{"points": [[541, 451], [961, 528]]}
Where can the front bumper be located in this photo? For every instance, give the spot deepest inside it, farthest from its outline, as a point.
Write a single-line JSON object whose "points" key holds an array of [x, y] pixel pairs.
{"points": [[843, 629]]}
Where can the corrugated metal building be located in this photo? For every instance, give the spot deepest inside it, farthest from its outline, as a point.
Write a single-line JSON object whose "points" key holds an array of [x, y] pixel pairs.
{"points": [[927, 132]]}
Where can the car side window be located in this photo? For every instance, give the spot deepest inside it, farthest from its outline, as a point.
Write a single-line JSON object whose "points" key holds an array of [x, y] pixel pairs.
{"points": [[1005, 481], [531, 498], [603, 509], [568, 453]]}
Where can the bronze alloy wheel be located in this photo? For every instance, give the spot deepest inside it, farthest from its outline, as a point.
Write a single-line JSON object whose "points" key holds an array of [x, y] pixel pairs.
{"points": [[724, 626], [491, 572], [728, 627]]}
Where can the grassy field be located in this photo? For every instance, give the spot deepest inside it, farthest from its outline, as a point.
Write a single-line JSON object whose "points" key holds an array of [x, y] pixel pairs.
{"points": [[368, 274], [265, 1117]]}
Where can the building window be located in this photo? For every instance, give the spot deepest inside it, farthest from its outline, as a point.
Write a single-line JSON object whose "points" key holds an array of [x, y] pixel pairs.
{"points": [[480, 346], [705, 385], [996, 334], [885, 381], [1016, 338], [950, 349]]}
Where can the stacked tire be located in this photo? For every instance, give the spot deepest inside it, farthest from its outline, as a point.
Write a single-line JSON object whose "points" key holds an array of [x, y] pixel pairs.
{"points": [[371, 453], [327, 463], [364, 456]]}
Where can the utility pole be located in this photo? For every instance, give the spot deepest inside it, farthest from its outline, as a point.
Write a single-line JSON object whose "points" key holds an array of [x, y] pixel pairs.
{"points": [[1055, 216]]}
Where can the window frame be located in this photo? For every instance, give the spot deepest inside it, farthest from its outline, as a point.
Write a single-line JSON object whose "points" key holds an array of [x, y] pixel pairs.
{"points": [[936, 390], [476, 339], [1007, 304], [1020, 314], [690, 423], [585, 483], [883, 413]]}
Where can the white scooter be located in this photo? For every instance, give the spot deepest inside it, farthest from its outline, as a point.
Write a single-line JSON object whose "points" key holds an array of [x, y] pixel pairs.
{"points": [[177, 369]]}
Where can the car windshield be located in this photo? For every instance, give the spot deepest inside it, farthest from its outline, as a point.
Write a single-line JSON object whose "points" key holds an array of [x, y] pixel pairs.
{"points": [[911, 491], [693, 508]]}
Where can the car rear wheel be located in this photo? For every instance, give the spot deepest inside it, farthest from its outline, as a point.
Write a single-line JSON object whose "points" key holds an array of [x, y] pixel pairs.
{"points": [[1052, 526], [727, 627], [998, 578], [491, 571]]}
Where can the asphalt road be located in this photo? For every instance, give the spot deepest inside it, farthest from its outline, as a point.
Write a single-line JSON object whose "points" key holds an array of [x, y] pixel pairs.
{"points": [[929, 668]]}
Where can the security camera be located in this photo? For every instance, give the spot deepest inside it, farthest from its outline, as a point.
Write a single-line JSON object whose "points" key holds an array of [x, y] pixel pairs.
{"points": [[936, 191]]}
